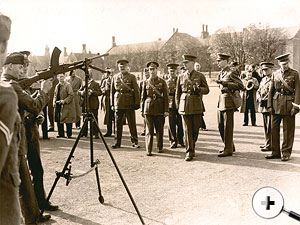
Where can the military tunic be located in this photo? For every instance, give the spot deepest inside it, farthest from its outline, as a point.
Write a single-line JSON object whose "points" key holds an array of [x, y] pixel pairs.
{"points": [[154, 105], [9, 145], [226, 106], [28, 200], [125, 98], [262, 101], [175, 136], [93, 103], [191, 86], [280, 101]]}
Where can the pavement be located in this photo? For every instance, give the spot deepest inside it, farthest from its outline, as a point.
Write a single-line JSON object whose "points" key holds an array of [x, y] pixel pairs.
{"points": [[168, 190]]}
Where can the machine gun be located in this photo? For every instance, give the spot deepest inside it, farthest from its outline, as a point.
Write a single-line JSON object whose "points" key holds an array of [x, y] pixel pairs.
{"points": [[55, 68]]}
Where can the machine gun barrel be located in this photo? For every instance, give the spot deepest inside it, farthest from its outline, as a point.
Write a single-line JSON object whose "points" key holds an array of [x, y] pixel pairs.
{"points": [[56, 69]]}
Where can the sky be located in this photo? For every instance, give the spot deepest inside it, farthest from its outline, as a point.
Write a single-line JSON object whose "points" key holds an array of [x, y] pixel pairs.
{"points": [[71, 23]]}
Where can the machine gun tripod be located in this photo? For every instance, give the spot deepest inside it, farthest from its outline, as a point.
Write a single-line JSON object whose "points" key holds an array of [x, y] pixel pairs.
{"points": [[89, 121]]}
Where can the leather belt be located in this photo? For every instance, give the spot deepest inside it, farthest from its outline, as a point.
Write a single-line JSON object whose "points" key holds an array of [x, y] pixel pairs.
{"points": [[124, 92], [283, 92]]}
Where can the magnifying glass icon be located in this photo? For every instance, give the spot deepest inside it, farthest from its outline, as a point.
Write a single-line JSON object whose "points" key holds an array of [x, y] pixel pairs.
{"points": [[268, 203]]}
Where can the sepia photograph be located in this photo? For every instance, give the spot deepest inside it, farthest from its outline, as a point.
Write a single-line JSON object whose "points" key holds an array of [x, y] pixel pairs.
{"points": [[127, 112]]}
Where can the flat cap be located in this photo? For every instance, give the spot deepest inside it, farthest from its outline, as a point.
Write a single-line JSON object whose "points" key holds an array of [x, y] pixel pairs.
{"points": [[283, 58], [26, 55], [266, 65], [5, 24], [222, 56], [122, 61], [172, 65], [152, 64], [188, 58], [14, 58]]}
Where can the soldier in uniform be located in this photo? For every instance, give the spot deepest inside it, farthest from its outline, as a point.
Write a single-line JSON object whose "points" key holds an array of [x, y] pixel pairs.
{"points": [[105, 101], [155, 107], [125, 99], [262, 100], [94, 91], [11, 72], [175, 136], [229, 84], [76, 83], [31, 124], [9, 143], [191, 86], [285, 90]]}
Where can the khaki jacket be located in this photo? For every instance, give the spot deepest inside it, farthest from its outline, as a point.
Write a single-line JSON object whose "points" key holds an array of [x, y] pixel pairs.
{"points": [[123, 97], [263, 94], [171, 84], [153, 103], [190, 88], [234, 83], [280, 97]]}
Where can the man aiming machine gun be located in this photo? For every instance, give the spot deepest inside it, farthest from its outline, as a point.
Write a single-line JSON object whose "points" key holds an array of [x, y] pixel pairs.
{"points": [[84, 65]]}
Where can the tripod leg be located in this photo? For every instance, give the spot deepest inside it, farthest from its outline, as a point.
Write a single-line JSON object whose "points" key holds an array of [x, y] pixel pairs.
{"points": [[120, 175], [100, 198], [62, 173], [92, 119]]}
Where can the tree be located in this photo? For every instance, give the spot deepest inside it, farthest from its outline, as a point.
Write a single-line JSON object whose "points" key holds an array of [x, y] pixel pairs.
{"points": [[253, 45]]}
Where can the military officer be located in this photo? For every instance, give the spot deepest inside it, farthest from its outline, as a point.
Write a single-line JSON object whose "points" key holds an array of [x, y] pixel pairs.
{"points": [[191, 86], [9, 128], [11, 72], [285, 90], [229, 84], [105, 101], [175, 136], [155, 107], [125, 99], [262, 100]]}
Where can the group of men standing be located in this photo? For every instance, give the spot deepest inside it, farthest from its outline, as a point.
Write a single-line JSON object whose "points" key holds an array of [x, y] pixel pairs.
{"points": [[179, 98]]}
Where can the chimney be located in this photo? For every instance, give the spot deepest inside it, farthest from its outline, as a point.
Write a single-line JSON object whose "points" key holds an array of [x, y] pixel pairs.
{"points": [[159, 39], [173, 30], [202, 27], [84, 48], [206, 30], [47, 52], [176, 30], [114, 44], [65, 51]]}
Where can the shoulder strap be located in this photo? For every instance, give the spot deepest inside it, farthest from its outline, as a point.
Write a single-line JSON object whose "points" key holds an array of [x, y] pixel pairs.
{"points": [[129, 88], [154, 89], [285, 84]]}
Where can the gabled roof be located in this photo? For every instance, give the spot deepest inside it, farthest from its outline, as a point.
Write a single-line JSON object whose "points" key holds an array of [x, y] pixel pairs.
{"points": [[179, 41], [291, 31], [136, 48]]}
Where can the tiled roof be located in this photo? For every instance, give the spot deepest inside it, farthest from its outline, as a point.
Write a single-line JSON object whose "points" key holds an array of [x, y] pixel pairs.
{"points": [[136, 48]]}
